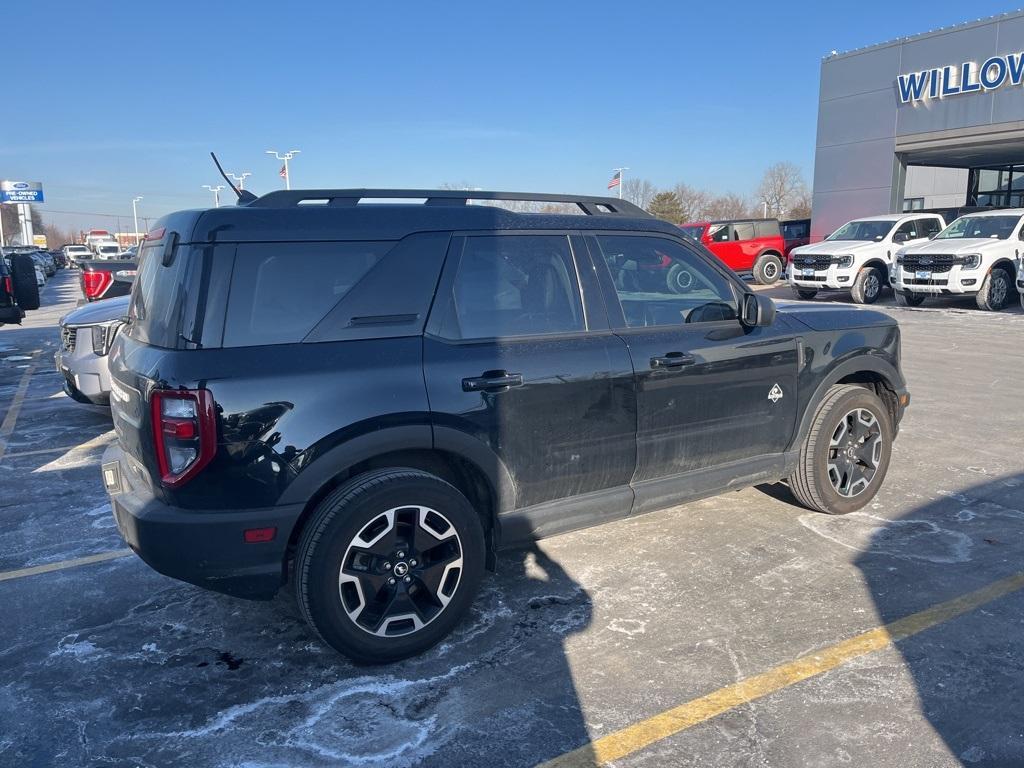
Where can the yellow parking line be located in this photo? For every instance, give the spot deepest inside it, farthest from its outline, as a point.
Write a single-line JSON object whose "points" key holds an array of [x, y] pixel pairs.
{"points": [[7, 427], [635, 737], [60, 566]]}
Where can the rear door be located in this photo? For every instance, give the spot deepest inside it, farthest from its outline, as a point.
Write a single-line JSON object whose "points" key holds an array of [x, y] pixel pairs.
{"points": [[709, 391], [520, 362], [747, 246], [724, 245]]}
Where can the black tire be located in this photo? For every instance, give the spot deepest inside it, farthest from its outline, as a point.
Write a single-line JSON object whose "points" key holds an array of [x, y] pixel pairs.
{"points": [[828, 465], [768, 268], [868, 285], [328, 541], [996, 288], [23, 276], [679, 279], [805, 293], [909, 299]]}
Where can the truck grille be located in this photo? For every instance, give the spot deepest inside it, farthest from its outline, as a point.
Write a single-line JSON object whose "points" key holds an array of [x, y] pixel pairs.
{"points": [[68, 336], [812, 262], [936, 262]]}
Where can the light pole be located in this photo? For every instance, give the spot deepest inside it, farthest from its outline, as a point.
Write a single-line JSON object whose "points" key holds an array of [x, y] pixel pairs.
{"points": [[286, 157], [241, 178], [216, 193], [135, 215]]}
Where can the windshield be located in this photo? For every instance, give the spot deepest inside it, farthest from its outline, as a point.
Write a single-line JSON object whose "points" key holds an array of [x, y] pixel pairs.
{"points": [[693, 232], [871, 231], [996, 227]]}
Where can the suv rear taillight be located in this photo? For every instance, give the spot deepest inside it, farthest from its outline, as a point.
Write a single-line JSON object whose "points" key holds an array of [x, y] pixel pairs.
{"points": [[95, 284], [8, 285], [184, 433]]}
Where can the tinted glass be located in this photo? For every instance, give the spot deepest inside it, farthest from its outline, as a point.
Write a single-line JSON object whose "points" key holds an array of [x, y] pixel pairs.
{"points": [[766, 228], [157, 297], [910, 230], [719, 233], [514, 285], [280, 291], [929, 227], [659, 282], [694, 232], [744, 231], [794, 230]]}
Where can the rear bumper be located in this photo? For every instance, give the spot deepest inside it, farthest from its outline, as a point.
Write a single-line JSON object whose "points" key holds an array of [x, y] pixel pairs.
{"points": [[201, 547]]}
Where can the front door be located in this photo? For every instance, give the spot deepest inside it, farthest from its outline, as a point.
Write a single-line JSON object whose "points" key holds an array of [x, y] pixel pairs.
{"points": [[517, 362], [710, 392]]}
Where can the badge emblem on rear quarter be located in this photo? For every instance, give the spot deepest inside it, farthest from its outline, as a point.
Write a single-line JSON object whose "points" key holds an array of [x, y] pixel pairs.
{"points": [[776, 394]]}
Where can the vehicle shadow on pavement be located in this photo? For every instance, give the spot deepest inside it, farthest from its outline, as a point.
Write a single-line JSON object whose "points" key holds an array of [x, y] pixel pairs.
{"points": [[968, 671], [151, 670]]}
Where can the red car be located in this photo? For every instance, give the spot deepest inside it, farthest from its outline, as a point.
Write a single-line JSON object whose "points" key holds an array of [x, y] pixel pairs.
{"points": [[746, 246]]}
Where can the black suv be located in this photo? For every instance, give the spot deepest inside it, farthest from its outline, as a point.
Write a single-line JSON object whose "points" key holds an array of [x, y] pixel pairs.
{"points": [[18, 288], [372, 398]]}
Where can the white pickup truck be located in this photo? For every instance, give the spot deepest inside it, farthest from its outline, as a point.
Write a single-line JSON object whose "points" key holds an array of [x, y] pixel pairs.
{"points": [[858, 256], [975, 255]]}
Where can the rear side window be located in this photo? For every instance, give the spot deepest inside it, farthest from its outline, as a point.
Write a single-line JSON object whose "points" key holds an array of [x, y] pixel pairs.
{"points": [[767, 228], [156, 304], [280, 291], [743, 231], [929, 227], [514, 285]]}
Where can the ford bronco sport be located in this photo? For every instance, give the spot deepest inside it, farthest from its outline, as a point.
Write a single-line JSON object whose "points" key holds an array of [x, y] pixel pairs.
{"points": [[369, 400]]}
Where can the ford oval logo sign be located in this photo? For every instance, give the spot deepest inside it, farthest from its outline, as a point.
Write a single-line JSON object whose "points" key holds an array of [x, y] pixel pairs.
{"points": [[20, 185], [925, 260]]}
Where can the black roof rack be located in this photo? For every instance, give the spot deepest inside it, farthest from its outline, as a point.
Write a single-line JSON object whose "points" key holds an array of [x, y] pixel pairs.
{"points": [[342, 198]]}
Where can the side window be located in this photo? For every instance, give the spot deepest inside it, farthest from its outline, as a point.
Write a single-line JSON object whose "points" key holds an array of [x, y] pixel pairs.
{"points": [[767, 229], [514, 285], [659, 282], [744, 231], [720, 233], [280, 291], [908, 230], [930, 227]]}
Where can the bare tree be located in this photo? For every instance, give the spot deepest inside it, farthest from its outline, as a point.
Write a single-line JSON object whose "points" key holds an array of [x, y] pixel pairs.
{"points": [[782, 186], [728, 206], [695, 203], [801, 208], [639, 192]]}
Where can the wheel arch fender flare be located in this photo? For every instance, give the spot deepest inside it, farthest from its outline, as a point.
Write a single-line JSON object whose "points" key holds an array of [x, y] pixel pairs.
{"points": [[872, 366], [878, 263]]}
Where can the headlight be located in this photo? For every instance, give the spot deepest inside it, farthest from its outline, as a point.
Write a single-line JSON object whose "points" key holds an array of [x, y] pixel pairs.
{"points": [[844, 261], [899, 256], [971, 261], [103, 337]]}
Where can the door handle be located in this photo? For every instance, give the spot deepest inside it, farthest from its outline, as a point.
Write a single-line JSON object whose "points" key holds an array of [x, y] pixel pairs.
{"points": [[492, 381], [672, 360]]}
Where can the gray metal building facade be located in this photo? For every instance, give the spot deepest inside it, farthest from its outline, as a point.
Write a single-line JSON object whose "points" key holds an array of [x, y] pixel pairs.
{"points": [[957, 116]]}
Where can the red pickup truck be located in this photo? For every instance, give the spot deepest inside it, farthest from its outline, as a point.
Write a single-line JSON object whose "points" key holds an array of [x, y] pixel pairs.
{"points": [[107, 278], [746, 246]]}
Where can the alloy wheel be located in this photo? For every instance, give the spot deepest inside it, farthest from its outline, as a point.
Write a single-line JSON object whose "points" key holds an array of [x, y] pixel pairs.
{"points": [[400, 571], [855, 451]]}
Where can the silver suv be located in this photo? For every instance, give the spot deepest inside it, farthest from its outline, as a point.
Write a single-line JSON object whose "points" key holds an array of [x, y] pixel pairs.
{"points": [[85, 338]]}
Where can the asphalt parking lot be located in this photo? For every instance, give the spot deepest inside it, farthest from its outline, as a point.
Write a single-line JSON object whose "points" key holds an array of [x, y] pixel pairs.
{"points": [[623, 642]]}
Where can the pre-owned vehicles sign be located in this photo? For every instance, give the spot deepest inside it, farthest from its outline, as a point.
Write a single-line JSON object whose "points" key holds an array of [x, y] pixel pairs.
{"points": [[21, 192]]}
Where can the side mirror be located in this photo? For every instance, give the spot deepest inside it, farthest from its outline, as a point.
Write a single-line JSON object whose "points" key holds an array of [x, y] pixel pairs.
{"points": [[758, 311], [900, 237]]}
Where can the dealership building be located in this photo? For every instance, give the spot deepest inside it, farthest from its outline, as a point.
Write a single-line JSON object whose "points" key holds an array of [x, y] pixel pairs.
{"points": [[930, 121]]}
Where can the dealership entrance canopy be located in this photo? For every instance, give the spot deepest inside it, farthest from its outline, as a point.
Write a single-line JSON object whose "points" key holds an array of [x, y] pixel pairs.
{"points": [[935, 120]]}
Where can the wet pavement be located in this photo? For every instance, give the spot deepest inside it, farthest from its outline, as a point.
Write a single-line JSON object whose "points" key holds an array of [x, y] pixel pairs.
{"points": [[111, 664]]}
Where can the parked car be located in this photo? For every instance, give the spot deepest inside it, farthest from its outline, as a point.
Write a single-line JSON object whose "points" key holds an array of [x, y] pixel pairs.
{"points": [[746, 246], [19, 291], [106, 279], [85, 338], [795, 232], [41, 264], [77, 253], [976, 256], [108, 251], [59, 259], [858, 256], [512, 385]]}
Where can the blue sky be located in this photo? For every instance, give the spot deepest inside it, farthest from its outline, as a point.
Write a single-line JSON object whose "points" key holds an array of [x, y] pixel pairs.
{"points": [[107, 100]]}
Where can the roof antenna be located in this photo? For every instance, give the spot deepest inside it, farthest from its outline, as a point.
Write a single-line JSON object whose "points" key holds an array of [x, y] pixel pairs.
{"points": [[244, 196]]}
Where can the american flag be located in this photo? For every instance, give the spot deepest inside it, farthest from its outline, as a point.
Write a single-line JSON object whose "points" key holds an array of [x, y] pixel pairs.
{"points": [[283, 173], [616, 179]]}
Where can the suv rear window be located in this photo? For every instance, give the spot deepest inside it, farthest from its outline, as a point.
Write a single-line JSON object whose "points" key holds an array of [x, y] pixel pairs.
{"points": [[280, 291]]}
